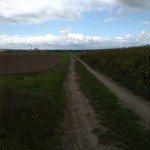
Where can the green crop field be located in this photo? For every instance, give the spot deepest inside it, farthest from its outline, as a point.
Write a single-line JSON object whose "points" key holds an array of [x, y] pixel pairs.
{"points": [[128, 66]]}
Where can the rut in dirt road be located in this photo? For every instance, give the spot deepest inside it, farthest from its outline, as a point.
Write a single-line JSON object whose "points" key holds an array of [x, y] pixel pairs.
{"points": [[79, 118], [140, 106]]}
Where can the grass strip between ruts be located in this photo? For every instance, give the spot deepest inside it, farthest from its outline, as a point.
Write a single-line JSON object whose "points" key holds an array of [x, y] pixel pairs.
{"points": [[122, 123]]}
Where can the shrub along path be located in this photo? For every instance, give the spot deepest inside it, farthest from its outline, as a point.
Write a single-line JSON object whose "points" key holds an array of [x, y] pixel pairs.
{"points": [[140, 106]]}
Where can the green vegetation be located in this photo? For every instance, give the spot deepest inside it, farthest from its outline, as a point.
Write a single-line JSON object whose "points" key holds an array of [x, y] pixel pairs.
{"points": [[32, 108], [129, 66], [121, 122]]}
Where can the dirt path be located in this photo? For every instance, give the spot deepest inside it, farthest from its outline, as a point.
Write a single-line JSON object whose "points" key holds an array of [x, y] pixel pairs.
{"points": [[127, 98], [79, 118]]}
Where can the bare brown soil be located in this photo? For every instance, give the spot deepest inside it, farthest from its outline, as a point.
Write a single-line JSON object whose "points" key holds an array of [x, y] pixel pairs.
{"points": [[16, 64], [127, 98], [80, 118]]}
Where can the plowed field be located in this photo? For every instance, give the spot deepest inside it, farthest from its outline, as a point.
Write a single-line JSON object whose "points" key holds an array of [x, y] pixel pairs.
{"points": [[16, 64]]}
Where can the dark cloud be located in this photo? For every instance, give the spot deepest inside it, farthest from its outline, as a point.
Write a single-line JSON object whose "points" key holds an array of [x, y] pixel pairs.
{"points": [[140, 4]]}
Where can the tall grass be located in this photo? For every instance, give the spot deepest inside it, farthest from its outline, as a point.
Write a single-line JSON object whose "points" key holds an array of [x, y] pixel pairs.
{"points": [[129, 66], [31, 110]]}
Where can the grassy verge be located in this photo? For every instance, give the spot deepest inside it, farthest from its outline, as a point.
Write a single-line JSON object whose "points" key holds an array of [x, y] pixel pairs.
{"points": [[122, 123], [128, 66], [31, 110]]}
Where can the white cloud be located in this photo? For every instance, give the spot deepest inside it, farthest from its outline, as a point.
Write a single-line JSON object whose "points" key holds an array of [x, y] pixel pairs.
{"points": [[118, 11], [121, 11], [110, 19], [73, 41], [145, 22], [36, 11], [65, 30]]}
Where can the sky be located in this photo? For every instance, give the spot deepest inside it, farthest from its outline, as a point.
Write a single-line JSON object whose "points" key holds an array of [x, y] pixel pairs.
{"points": [[74, 24]]}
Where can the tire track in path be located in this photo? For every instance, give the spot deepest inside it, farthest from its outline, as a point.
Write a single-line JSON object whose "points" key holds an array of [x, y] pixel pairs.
{"points": [[80, 118]]}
